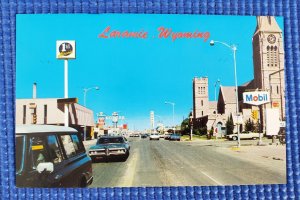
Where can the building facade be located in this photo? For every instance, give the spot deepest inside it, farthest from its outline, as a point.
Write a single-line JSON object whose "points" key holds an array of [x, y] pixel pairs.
{"points": [[50, 111], [268, 66]]}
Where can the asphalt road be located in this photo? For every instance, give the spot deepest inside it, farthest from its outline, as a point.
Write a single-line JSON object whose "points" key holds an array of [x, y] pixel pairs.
{"points": [[168, 163]]}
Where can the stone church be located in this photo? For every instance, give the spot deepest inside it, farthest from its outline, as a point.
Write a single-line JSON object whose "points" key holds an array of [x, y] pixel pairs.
{"points": [[268, 65]]}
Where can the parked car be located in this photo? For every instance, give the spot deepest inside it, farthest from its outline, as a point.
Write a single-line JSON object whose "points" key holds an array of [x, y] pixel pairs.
{"points": [[167, 136], [110, 147], [243, 135], [154, 136], [51, 156], [175, 136], [144, 136]]}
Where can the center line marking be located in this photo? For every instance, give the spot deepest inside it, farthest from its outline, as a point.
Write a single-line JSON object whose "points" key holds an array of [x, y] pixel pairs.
{"points": [[212, 178]]}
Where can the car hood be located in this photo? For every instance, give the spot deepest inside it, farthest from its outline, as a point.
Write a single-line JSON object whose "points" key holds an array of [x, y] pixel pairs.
{"points": [[107, 146]]}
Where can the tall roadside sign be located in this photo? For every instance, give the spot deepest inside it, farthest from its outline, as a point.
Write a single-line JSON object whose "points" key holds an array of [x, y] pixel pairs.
{"points": [[65, 50], [257, 98]]}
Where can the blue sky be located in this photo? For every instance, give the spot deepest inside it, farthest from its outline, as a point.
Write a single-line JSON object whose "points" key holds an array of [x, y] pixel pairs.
{"points": [[135, 76]]}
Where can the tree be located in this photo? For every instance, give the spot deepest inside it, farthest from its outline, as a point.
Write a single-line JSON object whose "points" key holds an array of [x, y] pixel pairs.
{"points": [[249, 125], [185, 126], [229, 125]]}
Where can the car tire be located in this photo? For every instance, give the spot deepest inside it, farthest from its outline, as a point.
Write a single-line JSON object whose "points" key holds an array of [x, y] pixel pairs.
{"points": [[93, 159], [234, 138], [82, 183]]}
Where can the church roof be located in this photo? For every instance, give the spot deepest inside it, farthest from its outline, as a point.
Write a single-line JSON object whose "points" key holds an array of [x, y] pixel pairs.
{"points": [[228, 93], [213, 104], [267, 24]]}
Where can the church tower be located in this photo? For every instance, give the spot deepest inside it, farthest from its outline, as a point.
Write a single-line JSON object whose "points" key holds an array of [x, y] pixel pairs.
{"points": [[268, 60], [200, 97]]}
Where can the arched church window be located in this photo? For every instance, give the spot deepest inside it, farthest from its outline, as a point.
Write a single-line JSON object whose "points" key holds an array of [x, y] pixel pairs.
{"points": [[201, 102], [271, 48], [268, 47], [275, 48], [277, 88]]}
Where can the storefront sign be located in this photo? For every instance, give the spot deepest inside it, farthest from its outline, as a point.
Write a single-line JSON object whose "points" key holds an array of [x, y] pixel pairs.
{"points": [[256, 98], [65, 49]]}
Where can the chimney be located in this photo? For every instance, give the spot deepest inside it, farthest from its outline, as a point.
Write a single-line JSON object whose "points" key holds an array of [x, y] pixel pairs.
{"points": [[34, 91]]}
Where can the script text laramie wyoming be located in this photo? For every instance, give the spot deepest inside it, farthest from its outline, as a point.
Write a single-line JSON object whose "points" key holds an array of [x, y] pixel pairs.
{"points": [[162, 33]]}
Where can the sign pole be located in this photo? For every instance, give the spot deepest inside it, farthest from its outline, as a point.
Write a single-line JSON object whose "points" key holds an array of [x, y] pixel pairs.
{"points": [[66, 94], [65, 49]]}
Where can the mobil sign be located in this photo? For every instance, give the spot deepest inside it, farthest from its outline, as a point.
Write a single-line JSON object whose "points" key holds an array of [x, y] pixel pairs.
{"points": [[256, 97]]}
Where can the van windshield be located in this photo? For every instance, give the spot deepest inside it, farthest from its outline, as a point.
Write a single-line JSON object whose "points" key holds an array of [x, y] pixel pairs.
{"points": [[19, 152]]}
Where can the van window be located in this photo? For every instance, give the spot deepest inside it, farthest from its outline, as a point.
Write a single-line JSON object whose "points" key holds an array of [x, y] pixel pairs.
{"points": [[38, 150], [68, 145], [77, 144], [19, 152], [53, 149]]}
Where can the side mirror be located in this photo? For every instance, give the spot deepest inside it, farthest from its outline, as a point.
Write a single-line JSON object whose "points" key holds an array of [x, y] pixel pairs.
{"points": [[45, 167]]}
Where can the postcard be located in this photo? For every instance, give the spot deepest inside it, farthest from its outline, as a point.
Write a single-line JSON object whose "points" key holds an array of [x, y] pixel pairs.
{"points": [[145, 100]]}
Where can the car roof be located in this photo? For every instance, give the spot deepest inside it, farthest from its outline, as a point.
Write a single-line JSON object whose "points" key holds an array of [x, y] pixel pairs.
{"points": [[30, 129], [110, 136]]}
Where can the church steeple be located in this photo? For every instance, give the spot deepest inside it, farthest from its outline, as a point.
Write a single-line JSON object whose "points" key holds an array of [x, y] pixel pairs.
{"points": [[267, 24], [268, 60]]}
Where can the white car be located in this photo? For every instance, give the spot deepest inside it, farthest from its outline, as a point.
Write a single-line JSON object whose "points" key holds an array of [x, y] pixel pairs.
{"points": [[244, 135], [154, 136]]}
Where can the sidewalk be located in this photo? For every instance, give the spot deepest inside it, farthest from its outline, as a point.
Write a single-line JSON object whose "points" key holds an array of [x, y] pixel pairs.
{"points": [[272, 157]]}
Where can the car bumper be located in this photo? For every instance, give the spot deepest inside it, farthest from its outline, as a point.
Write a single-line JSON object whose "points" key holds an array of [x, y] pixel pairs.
{"points": [[107, 153]]}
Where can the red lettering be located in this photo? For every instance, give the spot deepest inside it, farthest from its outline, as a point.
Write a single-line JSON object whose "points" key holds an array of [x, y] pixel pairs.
{"points": [[115, 34], [102, 35], [164, 32], [255, 98]]}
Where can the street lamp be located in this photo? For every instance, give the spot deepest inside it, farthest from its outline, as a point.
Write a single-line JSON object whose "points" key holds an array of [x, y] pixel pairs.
{"points": [[173, 105], [191, 125], [85, 90], [233, 48]]}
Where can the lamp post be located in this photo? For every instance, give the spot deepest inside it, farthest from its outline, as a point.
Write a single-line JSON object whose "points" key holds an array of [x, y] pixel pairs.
{"points": [[173, 105], [233, 48], [85, 90], [217, 82], [191, 125]]}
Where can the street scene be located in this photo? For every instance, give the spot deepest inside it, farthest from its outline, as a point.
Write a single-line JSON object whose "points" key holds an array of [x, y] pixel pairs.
{"points": [[170, 102], [201, 162]]}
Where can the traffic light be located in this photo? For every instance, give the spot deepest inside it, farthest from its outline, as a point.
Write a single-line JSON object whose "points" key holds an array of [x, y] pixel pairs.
{"points": [[254, 114], [34, 119]]}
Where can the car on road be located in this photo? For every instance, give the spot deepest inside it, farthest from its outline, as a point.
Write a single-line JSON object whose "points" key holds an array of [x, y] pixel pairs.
{"points": [[167, 136], [110, 147], [154, 136], [243, 135], [51, 156], [175, 137], [143, 136]]}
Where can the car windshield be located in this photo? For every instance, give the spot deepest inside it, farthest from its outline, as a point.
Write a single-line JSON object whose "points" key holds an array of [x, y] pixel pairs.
{"points": [[110, 140], [19, 152]]}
